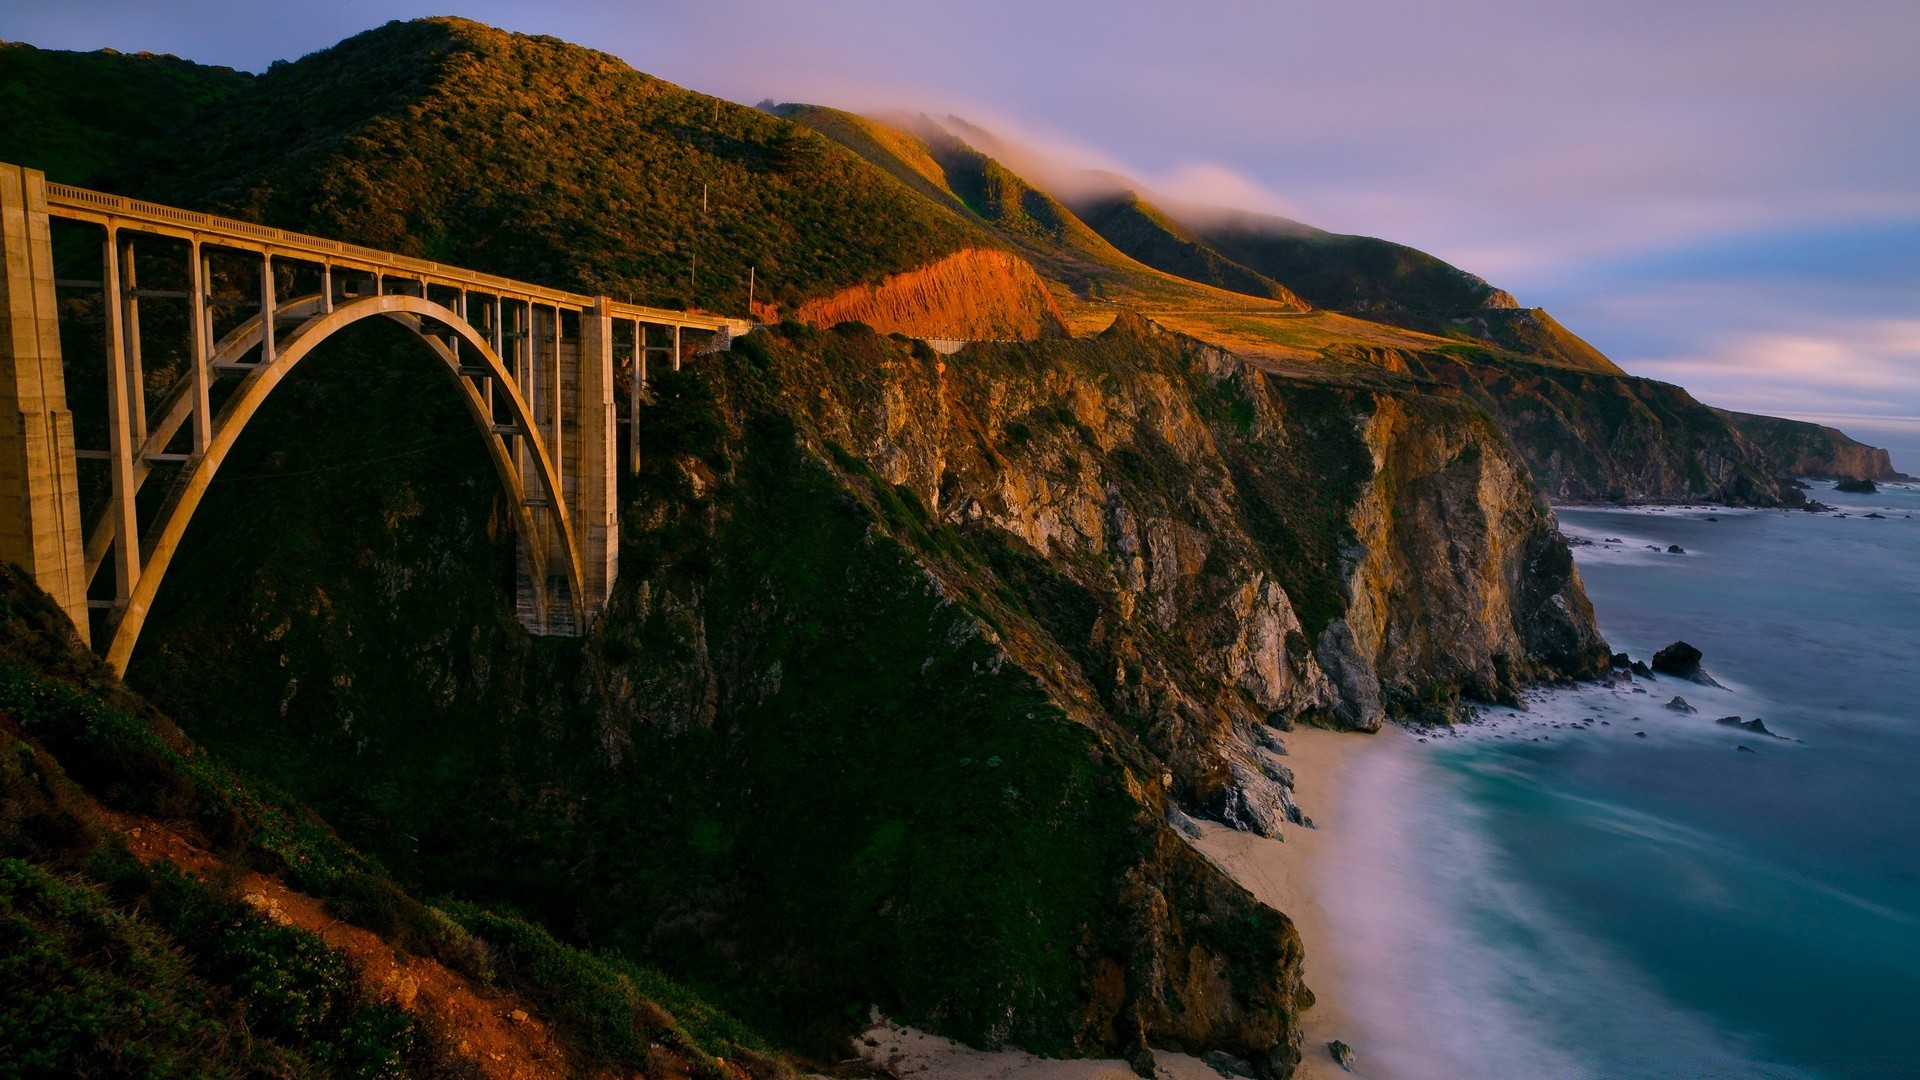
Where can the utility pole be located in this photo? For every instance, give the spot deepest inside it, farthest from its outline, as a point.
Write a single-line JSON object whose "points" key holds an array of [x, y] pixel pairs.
{"points": [[750, 293]]}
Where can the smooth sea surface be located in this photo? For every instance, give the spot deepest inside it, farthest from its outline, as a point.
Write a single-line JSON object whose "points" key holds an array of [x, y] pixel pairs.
{"points": [[1554, 893]]}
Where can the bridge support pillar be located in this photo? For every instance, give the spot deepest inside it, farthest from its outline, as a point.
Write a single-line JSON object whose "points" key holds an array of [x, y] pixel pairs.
{"points": [[40, 527], [599, 515]]}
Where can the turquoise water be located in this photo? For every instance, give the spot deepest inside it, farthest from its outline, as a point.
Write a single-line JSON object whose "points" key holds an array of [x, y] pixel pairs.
{"points": [[1550, 892]]}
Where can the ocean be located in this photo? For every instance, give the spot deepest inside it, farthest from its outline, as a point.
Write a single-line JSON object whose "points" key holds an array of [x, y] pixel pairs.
{"points": [[1601, 885]]}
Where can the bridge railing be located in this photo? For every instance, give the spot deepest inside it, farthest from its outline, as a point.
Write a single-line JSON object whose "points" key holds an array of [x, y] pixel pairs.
{"points": [[101, 208]]}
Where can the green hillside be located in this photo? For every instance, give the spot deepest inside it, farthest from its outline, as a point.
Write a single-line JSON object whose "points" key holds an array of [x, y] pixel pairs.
{"points": [[115, 962], [1359, 275], [75, 115], [530, 157], [1140, 229]]}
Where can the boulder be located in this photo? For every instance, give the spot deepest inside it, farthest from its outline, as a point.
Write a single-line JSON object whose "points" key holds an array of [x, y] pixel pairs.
{"points": [[1342, 1053], [1680, 704], [1676, 549], [1682, 660], [1641, 669], [1858, 485], [1621, 661]]}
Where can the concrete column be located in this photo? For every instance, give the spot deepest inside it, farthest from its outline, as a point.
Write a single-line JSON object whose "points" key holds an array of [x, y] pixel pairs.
{"points": [[136, 369], [267, 310], [636, 379], [40, 528], [202, 343], [599, 513], [121, 448]]}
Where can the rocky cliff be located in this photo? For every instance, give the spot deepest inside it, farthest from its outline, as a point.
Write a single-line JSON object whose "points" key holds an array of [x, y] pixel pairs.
{"points": [[910, 663], [1593, 436], [1798, 448]]}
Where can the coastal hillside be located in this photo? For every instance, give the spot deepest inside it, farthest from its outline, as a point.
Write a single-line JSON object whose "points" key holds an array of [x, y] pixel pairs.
{"points": [[160, 914], [1379, 279], [67, 114], [911, 663], [572, 169], [1140, 229], [1798, 448]]}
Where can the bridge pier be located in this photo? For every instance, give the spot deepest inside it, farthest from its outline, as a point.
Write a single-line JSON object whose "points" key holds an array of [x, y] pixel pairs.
{"points": [[40, 526]]}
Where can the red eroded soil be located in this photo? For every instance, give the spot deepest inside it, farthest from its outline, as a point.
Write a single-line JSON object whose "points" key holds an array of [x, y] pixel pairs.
{"points": [[496, 1030]]}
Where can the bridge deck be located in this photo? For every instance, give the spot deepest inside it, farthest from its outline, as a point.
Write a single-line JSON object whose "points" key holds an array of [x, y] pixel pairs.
{"points": [[101, 208]]}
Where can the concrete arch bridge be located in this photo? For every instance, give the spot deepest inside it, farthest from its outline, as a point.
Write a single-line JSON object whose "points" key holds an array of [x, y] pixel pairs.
{"points": [[540, 371]]}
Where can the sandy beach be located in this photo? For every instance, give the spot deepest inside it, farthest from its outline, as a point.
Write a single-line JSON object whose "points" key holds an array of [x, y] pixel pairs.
{"points": [[1281, 874]]}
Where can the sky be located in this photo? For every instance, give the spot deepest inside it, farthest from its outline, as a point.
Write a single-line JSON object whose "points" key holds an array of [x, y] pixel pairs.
{"points": [[1721, 195]]}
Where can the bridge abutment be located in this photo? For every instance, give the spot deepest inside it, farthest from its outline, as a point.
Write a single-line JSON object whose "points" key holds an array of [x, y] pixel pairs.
{"points": [[40, 527]]}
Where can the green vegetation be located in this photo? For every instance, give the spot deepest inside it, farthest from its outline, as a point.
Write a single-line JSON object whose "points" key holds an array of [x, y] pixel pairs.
{"points": [[518, 155], [795, 766], [120, 967], [78, 116], [1358, 275], [1140, 229]]}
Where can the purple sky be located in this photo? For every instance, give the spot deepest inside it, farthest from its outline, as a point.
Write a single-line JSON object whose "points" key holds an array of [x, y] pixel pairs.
{"points": [[1723, 195]]}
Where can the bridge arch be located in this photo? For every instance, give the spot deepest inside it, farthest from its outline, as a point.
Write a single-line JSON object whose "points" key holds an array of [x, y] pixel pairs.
{"points": [[543, 397], [415, 313]]}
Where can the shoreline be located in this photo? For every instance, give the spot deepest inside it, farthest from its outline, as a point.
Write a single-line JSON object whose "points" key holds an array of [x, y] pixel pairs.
{"points": [[1285, 875], [1288, 876]]}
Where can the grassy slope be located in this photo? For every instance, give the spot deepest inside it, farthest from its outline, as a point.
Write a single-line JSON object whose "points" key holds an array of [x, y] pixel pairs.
{"points": [[1389, 282], [113, 967], [1140, 229], [1094, 280], [531, 157], [76, 115]]}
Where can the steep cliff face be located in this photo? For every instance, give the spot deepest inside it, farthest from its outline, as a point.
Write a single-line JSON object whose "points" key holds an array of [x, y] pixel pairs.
{"points": [[910, 662], [1798, 448], [1591, 436], [974, 293]]}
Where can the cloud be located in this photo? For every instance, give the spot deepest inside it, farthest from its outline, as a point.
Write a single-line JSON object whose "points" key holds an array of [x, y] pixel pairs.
{"points": [[1862, 367]]}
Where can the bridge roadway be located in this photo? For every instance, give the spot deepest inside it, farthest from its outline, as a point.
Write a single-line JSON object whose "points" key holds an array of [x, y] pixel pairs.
{"points": [[537, 368]]}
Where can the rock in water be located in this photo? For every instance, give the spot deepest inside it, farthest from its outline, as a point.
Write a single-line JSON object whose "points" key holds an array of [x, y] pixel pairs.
{"points": [[1744, 749], [1621, 662], [1678, 658], [1640, 668], [1683, 660], [1676, 549], [1680, 704], [1342, 1053], [1857, 485]]}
